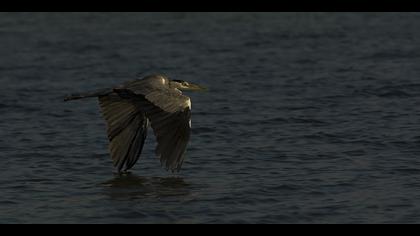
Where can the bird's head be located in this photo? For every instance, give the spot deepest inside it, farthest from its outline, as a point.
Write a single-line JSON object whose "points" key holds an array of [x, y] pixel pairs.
{"points": [[186, 86]]}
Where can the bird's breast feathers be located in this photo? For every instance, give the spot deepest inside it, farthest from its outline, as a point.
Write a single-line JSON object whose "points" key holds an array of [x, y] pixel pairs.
{"points": [[188, 103]]}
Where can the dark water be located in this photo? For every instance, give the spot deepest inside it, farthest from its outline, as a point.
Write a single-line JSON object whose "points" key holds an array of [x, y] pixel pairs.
{"points": [[310, 118]]}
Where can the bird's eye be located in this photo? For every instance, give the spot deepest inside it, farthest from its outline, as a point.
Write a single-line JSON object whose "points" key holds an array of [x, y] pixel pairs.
{"points": [[185, 83]]}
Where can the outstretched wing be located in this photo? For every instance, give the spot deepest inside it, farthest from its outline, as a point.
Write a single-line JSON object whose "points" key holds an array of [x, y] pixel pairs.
{"points": [[126, 128], [169, 113], [170, 118]]}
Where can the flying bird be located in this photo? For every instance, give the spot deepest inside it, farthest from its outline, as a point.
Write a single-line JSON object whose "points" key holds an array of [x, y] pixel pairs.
{"points": [[129, 109]]}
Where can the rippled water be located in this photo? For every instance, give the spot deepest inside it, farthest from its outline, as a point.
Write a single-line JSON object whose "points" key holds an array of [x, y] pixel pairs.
{"points": [[310, 117]]}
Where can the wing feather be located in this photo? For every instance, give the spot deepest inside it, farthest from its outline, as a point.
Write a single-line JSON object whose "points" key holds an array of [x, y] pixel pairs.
{"points": [[126, 128]]}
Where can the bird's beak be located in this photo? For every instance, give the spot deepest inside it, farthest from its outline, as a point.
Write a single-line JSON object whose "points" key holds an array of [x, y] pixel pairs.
{"points": [[195, 87]]}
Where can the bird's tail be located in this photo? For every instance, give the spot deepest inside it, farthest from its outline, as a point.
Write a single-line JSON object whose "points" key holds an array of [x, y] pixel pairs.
{"points": [[96, 93]]}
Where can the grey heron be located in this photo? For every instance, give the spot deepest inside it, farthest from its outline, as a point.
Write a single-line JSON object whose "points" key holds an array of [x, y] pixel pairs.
{"points": [[128, 110]]}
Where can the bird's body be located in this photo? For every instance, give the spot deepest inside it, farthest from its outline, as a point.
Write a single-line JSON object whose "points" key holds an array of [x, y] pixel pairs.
{"points": [[130, 108]]}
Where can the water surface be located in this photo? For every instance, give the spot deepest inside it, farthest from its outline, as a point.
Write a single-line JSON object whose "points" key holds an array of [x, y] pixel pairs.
{"points": [[309, 118]]}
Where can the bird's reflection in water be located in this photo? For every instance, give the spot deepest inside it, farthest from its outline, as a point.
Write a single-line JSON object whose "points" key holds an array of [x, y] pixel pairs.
{"points": [[130, 186]]}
